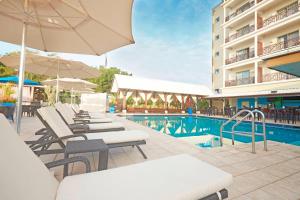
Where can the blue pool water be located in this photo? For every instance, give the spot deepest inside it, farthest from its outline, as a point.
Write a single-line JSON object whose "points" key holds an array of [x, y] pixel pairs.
{"points": [[186, 126]]}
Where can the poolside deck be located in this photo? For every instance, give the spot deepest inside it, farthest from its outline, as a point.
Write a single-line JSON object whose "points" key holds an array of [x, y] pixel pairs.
{"points": [[274, 174]]}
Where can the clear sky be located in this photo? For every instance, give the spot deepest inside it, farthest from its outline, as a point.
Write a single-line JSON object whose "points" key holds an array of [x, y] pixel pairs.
{"points": [[173, 42]]}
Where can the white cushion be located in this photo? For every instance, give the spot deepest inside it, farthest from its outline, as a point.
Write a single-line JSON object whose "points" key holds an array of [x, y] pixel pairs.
{"points": [[119, 136], [179, 177], [105, 126]]}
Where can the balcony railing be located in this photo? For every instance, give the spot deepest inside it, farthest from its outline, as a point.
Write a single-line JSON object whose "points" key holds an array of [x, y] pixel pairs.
{"points": [[278, 76], [289, 10], [240, 57], [241, 33], [242, 81], [240, 10], [281, 46]]}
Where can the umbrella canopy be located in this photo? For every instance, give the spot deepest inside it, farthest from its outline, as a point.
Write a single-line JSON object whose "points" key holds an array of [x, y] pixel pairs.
{"points": [[51, 66], [77, 26], [71, 26], [70, 84], [15, 79]]}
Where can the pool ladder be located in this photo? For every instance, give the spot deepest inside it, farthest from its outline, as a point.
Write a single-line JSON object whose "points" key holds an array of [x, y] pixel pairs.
{"points": [[251, 134]]}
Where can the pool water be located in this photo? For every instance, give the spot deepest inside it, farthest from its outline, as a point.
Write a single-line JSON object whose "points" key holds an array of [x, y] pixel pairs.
{"points": [[209, 129]]}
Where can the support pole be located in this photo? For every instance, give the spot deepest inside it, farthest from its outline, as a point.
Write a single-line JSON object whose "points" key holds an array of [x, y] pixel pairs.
{"points": [[57, 82], [124, 100], [166, 102], [182, 102], [21, 77]]}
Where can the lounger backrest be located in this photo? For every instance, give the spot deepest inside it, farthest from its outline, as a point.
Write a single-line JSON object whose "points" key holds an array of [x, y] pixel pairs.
{"points": [[65, 112], [22, 173], [76, 108], [56, 123]]}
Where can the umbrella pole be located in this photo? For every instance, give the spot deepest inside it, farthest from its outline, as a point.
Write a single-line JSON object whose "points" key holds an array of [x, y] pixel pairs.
{"points": [[57, 86], [21, 79]]}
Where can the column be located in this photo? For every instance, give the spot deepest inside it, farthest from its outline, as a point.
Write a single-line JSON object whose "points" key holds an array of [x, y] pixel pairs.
{"points": [[182, 102], [256, 72], [124, 100], [146, 99], [166, 101]]}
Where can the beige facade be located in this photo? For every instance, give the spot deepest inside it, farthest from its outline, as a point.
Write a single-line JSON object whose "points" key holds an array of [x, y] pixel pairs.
{"points": [[217, 51], [254, 31]]}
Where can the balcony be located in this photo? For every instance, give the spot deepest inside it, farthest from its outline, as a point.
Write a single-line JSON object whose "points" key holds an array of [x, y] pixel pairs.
{"points": [[240, 57], [240, 10], [286, 12], [279, 46], [241, 33], [279, 76], [242, 81]]}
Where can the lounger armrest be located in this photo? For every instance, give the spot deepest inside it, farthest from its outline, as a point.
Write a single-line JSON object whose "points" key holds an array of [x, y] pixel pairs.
{"points": [[70, 160], [81, 121], [74, 136], [82, 116], [41, 131]]}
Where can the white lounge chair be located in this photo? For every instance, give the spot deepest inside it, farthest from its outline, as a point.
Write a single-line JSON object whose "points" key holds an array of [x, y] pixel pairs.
{"points": [[90, 125], [78, 111], [182, 177], [61, 132]]}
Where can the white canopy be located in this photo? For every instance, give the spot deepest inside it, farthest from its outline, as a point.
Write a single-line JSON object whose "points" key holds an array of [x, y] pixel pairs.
{"points": [[122, 82], [70, 84]]}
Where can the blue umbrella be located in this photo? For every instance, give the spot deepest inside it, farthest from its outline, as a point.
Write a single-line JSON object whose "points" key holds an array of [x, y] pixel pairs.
{"points": [[15, 79]]}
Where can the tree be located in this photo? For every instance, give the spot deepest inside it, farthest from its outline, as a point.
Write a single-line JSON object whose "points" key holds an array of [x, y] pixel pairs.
{"points": [[6, 71], [105, 80]]}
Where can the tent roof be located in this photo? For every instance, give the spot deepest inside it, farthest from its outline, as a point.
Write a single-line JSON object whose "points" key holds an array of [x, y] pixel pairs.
{"points": [[155, 85], [15, 79]]}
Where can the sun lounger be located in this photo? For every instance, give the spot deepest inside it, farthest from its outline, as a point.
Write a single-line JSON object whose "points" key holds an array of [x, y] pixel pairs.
{"points": [[67, 110], [60, 133], [182, 177], [90, 125], [80, 112]]}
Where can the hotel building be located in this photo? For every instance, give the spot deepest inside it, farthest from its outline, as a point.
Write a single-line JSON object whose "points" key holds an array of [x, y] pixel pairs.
{"points": [[253, 43]]}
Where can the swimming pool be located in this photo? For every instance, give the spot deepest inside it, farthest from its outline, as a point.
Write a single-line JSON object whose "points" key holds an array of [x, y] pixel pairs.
{"points": [[206, 130]]}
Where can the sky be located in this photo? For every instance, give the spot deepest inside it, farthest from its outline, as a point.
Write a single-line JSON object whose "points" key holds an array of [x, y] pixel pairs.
{"points": [[172, 42]]}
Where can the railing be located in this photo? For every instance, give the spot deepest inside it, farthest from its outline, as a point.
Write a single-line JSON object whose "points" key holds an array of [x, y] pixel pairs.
{"points": [[290, 10], [258, 1], [240, 10], [281, 46], [242, 81], [241, 33], [278, 76], [240, 117], [241, 57]]}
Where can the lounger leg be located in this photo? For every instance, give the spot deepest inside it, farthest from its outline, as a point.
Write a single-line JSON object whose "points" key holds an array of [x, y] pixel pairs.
{"points": [[141, 151]]}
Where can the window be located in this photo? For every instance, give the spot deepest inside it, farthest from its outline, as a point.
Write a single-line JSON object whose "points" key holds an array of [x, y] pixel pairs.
{"points": [[289, 39], [243, 75], [217, 53], [217, 19], [217, 37], [217, 71]]}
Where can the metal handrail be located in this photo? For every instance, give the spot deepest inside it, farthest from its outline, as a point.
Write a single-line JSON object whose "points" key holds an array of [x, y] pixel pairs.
{"points": [[263, 118], [249, 113], [228, 121]]}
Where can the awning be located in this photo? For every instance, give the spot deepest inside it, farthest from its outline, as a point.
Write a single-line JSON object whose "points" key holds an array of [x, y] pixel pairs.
{"points": [[15, 80], [289, 64]]}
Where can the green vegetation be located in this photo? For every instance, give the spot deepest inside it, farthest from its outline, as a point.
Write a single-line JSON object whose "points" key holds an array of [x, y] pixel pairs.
{"points": [[7, 92], [50, 93], [106, 77], [202, 104]]}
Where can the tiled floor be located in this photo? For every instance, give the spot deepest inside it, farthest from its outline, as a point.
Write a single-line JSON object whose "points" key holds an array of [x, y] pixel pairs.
{"points": [[274, 174]]}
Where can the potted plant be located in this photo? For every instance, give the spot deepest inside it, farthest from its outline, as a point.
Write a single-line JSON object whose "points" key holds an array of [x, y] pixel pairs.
{"points": [[112, 104], [6, 99]]}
